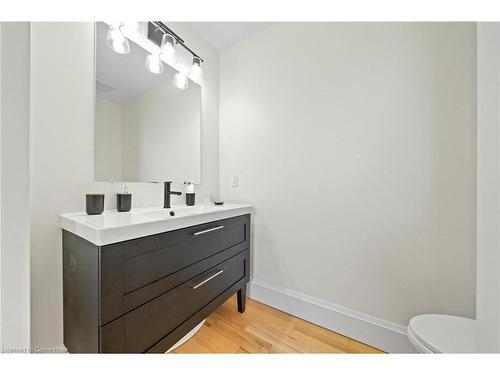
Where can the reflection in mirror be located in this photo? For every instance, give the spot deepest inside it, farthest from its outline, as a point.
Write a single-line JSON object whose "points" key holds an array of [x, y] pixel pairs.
{"points": [[146, 129]]}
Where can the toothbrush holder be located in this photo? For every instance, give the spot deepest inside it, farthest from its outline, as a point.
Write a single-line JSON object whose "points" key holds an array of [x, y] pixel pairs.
{"points": [[94, 204], [123, 202]]}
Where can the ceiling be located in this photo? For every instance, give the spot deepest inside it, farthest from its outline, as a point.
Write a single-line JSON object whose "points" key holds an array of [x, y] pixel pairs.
{"points": [[222, 35]]}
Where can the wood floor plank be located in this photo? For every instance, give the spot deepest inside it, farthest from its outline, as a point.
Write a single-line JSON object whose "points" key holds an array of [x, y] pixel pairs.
{"points": [[217, 342], [357, 347], [316, 346], [328, 337], [276, 342], [263, 329], [248, 341]]}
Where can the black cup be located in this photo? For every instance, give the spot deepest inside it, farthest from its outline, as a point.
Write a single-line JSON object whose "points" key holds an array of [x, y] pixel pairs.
{"points": [[95, 204], [123, 202]]}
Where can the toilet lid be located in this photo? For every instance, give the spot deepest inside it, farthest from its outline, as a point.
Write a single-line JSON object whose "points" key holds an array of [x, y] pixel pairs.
{"points": [[444, 333]]}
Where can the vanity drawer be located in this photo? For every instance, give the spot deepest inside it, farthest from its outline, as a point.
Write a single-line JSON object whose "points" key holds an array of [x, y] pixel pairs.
{"points": [[135, 271], [200, 242], [140, 296], [140, 329]]}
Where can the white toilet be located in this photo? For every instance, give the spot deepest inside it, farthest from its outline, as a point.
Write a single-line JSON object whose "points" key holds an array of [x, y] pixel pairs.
{"points": [[435, 333]]}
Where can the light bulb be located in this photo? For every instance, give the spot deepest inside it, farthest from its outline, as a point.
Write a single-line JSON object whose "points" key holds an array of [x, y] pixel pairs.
{"points": [[167, 48], [117, 41], [195, 73], [154, 64], [129, 28], [181, 81]]}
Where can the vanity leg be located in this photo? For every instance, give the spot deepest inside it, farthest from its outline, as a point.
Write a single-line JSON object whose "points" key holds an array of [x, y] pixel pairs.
{"points": [[242, 297]]}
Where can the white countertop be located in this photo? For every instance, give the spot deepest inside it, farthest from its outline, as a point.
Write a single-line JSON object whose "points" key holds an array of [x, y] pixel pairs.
{"points": [[112, 226]]}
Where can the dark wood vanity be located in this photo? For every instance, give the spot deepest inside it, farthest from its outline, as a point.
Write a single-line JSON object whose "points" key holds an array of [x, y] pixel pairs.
{"points": [[144, 294]]}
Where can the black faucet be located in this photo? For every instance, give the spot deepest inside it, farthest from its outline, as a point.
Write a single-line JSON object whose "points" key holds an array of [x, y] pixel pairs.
{"points": [[167, 193]]}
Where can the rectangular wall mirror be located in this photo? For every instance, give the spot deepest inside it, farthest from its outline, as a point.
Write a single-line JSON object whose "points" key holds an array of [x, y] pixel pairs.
{"points": [[146, 129]]}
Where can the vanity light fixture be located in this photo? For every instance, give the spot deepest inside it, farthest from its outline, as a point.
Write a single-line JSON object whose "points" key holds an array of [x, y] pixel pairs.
{"points": [[167, 48], [195, 73], [130, 29], [160, 34], [116, 40], [181, 81], [164, 38], [154, 64]]}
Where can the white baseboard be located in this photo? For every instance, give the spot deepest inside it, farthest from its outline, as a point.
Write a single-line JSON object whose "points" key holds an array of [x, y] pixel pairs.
{"points": [[379, 333]]}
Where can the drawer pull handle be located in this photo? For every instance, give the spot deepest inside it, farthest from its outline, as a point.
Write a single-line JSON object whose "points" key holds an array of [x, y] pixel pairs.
{"points": [[207, 279], [208, 230]]}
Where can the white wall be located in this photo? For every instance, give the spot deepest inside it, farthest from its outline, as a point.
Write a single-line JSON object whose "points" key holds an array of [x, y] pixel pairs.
{"points": [[62, 127], [356, 143], [162, 135], [0, 187], [209, 107], [108, 140], [15, 209], [488, 187]]}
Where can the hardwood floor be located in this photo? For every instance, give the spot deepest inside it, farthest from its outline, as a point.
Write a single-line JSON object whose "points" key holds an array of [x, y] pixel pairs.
{"points": [[262, 329]]}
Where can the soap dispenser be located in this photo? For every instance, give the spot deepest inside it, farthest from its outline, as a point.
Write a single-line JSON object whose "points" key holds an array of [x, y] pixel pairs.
{"points": [[123, 200], [189, 193]]}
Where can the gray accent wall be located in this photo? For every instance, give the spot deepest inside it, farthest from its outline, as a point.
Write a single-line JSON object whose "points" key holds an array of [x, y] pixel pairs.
{"points": [[488, 187], [14, 191]]}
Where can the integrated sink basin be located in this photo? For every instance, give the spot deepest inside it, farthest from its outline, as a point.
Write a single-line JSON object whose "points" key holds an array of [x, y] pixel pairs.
{"points": [[112, 226], [178, 211]]}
